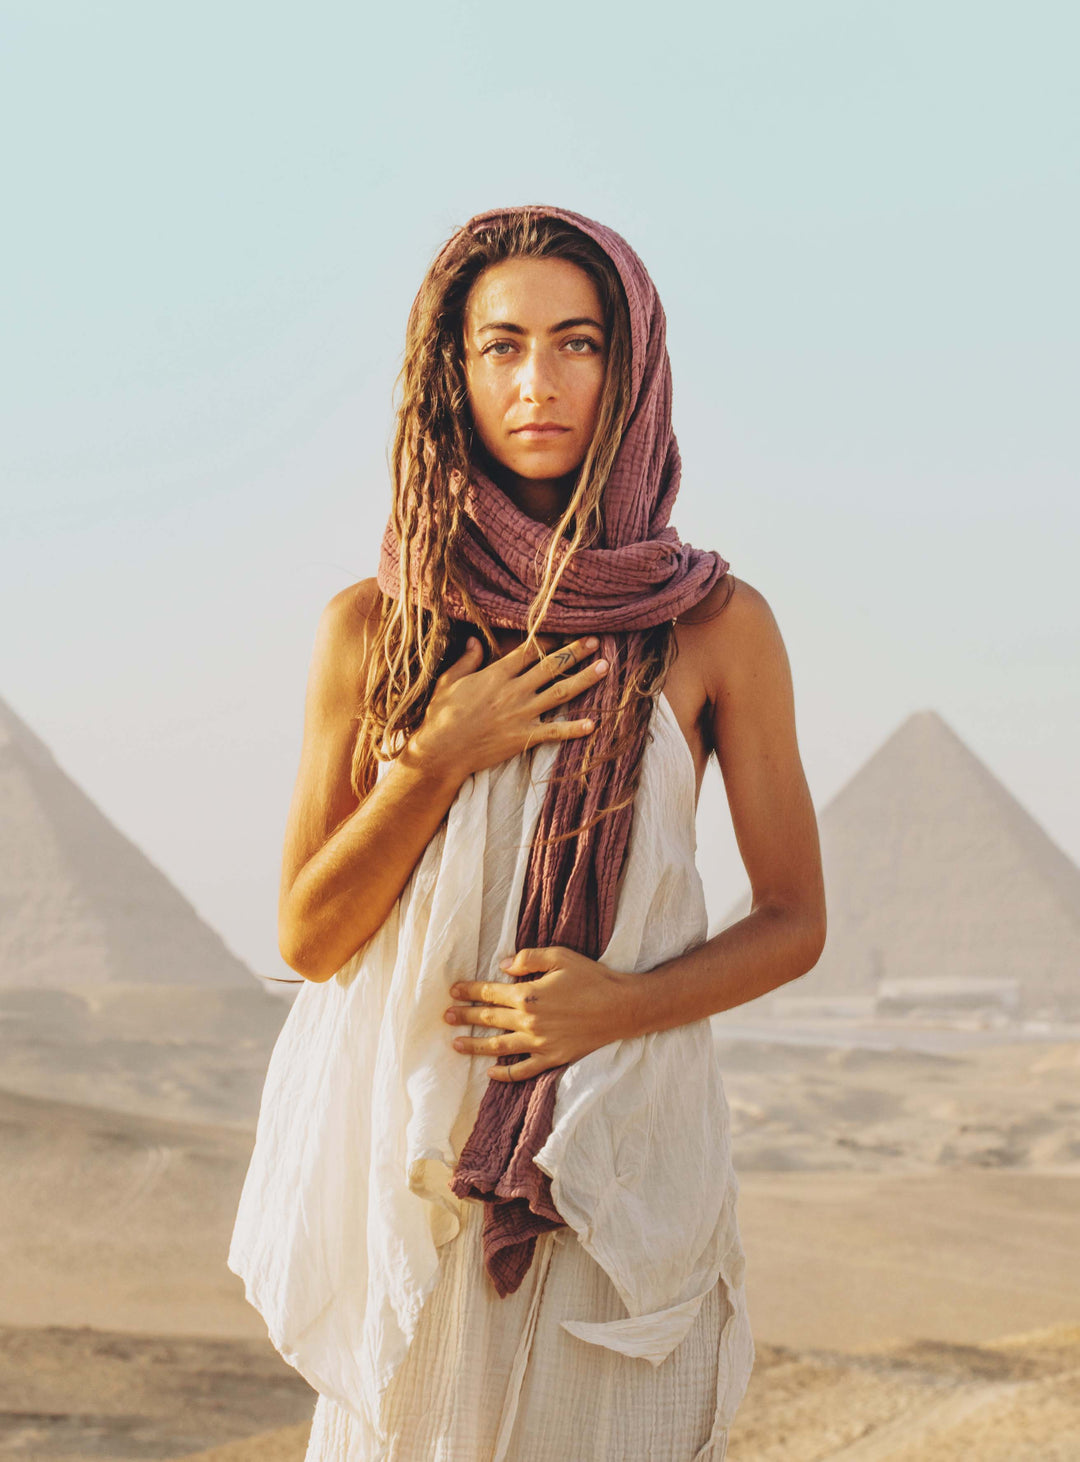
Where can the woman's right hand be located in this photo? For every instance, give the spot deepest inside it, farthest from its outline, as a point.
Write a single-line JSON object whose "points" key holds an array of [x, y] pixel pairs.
{"points": [[479, 715]]}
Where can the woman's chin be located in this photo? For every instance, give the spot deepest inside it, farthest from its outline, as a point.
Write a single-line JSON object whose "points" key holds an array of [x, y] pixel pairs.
{"points": [[542, 464]]}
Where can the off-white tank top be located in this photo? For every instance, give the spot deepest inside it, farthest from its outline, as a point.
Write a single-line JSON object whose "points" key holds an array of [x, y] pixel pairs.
{"points": [[366, 1105]]}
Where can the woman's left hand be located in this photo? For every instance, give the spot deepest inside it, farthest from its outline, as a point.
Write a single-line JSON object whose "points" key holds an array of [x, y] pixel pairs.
{"points": [[575, 1006]]}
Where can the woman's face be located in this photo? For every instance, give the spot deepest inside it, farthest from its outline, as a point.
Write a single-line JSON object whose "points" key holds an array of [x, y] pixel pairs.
{"points": [[535, 358]]}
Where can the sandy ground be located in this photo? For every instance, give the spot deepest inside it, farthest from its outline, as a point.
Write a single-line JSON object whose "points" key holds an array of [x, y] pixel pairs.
{"points": [[901, 1213], [1017, 1401], [187, 1053], [69, 1394], [849, 1261], [803, 1108], [73, 1394], [118, 1221]]}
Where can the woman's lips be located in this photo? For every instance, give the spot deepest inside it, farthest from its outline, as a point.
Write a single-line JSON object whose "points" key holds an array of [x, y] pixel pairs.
{"points": [[539, 432]]}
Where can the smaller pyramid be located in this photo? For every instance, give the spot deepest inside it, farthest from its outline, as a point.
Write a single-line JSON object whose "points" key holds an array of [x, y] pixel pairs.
{"points": [[80, 904], [935, 874]]}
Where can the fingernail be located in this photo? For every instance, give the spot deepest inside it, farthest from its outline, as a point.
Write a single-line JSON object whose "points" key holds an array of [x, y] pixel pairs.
{"points": [[455, 990], [504, 964], [591, 643], [459, 1045], [600, 666], [451, 1016]]}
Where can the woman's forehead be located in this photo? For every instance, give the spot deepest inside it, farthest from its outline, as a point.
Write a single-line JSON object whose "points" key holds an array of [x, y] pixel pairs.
{"points": [[533, 293]]}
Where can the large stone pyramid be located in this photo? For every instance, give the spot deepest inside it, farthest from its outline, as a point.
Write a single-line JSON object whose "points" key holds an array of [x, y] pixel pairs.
{"points": [[935, 873], [80, 905]]}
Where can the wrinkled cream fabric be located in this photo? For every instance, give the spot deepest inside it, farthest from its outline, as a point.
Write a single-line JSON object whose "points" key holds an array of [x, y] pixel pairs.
{"points": [[501, 1380], [346, 1202]]}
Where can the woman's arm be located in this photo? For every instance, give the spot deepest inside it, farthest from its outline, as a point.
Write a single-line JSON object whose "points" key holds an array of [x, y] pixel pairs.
{"points": [[346, 862], [748, 683]]}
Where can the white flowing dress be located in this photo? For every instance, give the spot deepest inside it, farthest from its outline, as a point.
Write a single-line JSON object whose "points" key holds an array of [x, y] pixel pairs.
{"points": [[628, 1340]]}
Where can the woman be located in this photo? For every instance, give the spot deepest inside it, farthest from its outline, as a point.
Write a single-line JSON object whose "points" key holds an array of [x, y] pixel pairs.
{"points": [[490, 853]]}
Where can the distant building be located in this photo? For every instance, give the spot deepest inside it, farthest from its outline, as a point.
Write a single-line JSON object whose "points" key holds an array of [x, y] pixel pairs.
{"points": [[910, 997]]}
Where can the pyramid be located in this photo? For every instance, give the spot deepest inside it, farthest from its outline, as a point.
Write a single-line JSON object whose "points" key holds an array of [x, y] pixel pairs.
{"points": [[935, 873], [80, 904]]}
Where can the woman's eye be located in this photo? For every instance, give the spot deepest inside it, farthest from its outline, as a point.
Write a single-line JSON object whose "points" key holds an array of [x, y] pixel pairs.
{"points": [[588, 346], [496, 347]]}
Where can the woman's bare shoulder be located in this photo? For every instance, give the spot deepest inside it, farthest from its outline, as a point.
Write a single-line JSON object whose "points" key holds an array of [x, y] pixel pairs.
{"points": [[342, 640], [733, 650], [732, 626], [351, 614], [352, 610]]}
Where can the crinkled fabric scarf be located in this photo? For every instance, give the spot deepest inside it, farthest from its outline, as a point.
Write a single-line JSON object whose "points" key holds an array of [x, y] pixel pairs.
{"points": [[639, 575]]}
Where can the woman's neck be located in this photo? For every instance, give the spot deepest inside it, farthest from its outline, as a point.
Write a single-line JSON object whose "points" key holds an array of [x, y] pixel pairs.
{"points": [[544, 499]]}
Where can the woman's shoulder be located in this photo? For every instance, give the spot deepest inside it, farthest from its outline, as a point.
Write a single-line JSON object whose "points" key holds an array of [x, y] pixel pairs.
{"points": [[732, 615], [352, 609], [350, 616], [729, 639], [343, 637]]}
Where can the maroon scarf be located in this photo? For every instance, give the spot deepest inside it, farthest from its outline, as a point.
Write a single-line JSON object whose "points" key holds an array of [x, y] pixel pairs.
{"points": [[640, 576]]}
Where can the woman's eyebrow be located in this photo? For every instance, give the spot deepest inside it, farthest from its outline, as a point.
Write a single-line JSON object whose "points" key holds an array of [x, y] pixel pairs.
{"points": [[578, 320], [553, 330]]}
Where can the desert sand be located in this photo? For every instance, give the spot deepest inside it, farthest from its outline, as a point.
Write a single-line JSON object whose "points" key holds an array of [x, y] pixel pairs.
{"points": [[180, 1053], [74, 1393], [112, 1395], [911, 1221], [1015, 1401]]}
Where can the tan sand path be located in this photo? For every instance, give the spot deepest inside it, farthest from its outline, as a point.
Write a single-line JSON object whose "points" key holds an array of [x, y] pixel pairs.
{"points": [[70, 1395], [845, 1262], [119, 1221], [285, 1445], [922, 1424], [1017, 1400]]}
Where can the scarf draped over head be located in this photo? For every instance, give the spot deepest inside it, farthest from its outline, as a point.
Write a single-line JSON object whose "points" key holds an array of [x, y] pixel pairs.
{"points": [[638, 575]]}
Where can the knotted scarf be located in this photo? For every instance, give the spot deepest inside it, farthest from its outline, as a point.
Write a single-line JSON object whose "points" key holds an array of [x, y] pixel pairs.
{"points": [[637, 575]]}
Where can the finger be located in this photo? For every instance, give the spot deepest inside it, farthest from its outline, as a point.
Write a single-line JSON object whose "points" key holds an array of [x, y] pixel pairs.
{"points": [[557, 731], [520, 658], [501, 993], [566, 690], [510, 1043], [519, 1071], [559, 662], [500, 1016], [531, 961], [470, 659]]}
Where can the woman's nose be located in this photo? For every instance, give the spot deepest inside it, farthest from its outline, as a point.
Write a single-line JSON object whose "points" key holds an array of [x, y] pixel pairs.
{"points": [[537, 382]]}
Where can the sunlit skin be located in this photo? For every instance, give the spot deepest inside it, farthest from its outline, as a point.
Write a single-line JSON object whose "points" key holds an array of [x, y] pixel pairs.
{"points": [[346, 863], [535, 358]]}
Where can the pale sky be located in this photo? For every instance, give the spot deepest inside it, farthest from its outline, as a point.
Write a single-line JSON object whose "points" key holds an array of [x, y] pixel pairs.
{"points": [[863, 222]]}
